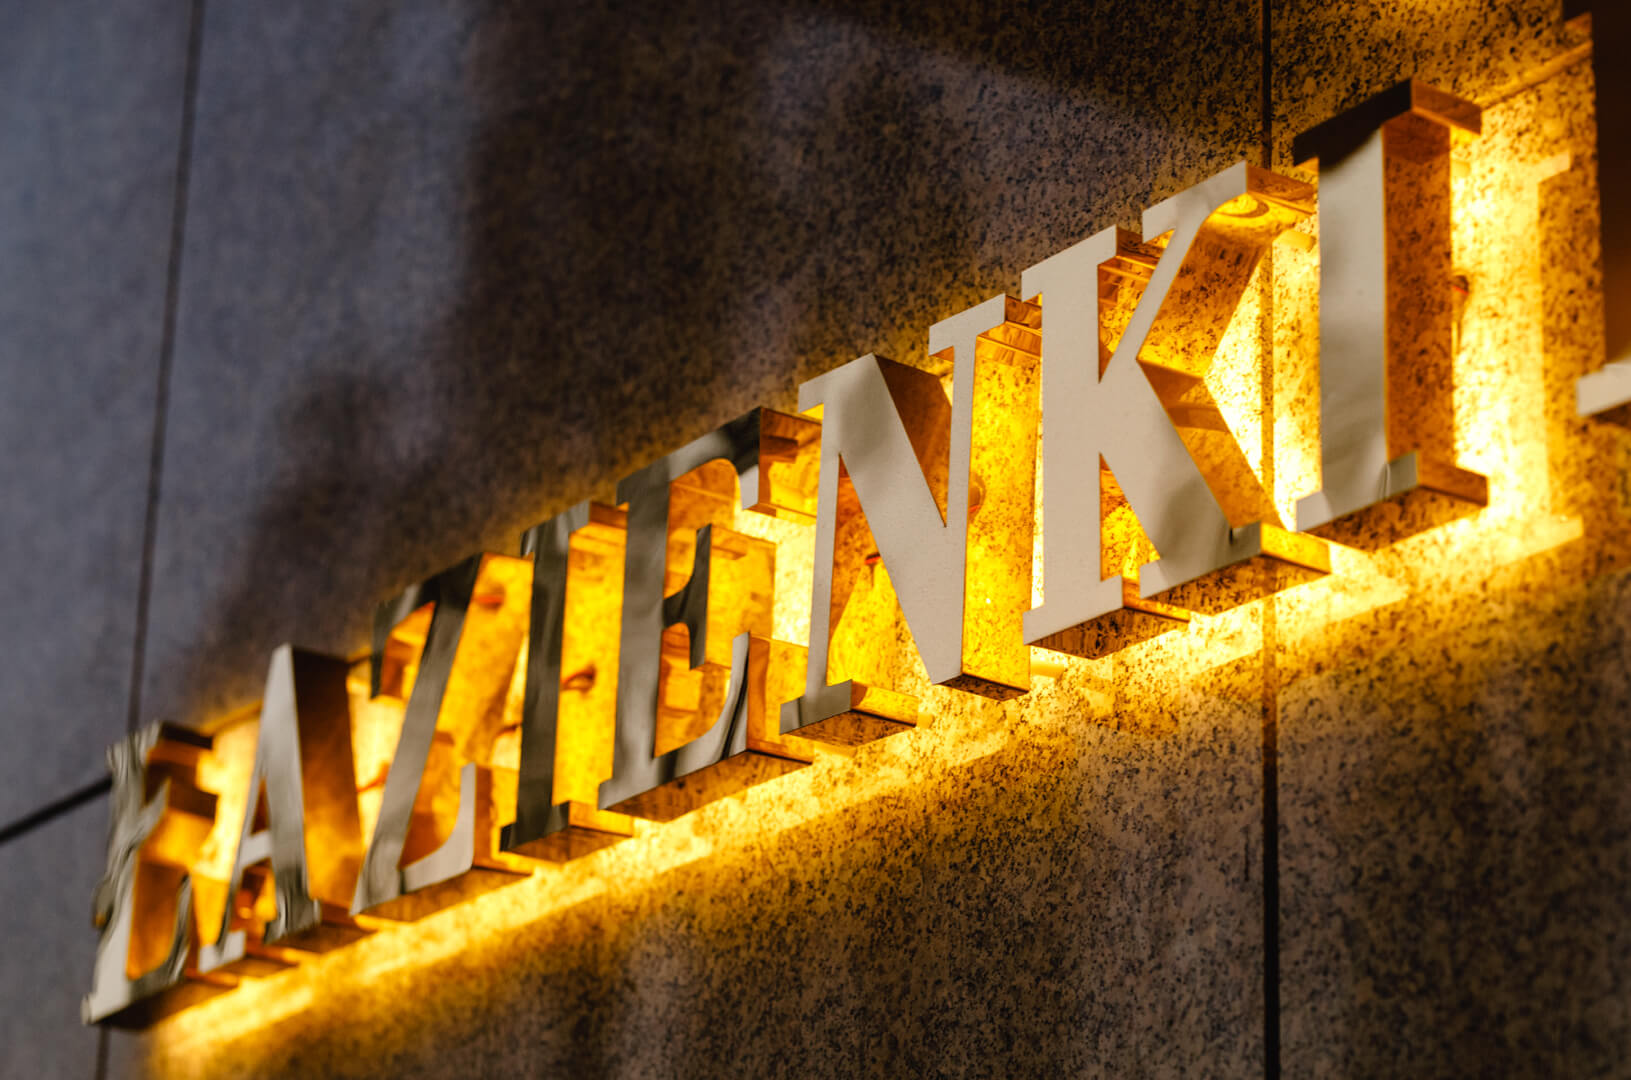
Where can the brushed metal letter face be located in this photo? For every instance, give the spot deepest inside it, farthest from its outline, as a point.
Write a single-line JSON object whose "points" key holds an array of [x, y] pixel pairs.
{"points": [[887, 434], [723, 653], [577, 552], [1387, 427], [1114, 412], [463, 864], [300, 820], [144, 901]]}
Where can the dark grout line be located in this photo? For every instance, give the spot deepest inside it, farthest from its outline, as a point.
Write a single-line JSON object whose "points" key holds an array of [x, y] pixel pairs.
{"points": [[1271, 844], [64, 805], [1271, 671], [167, 344], [1267, 79]]}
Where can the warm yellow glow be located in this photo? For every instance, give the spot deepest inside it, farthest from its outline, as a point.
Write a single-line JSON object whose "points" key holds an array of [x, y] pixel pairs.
{"points": [[795, 552], [1506, 426], [1234, 382], [789, 462], [1001, 504], [741, 600], [225, 771], [1295, 333], [1501, 402], [375, 725], [587, 723], [966, 732]]}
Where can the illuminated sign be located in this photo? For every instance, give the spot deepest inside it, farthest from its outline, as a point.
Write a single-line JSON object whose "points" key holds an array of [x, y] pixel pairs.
{"points": [[636, 661]]}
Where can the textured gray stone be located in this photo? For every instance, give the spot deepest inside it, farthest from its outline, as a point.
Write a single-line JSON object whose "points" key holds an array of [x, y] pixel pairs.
{"points": [[1456, 856], [46, 881], [90, 114], [452, 267]]}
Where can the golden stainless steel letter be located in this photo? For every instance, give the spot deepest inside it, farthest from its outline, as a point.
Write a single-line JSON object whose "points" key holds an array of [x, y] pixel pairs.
{"points": [[899, 467], [463, 863], [724, 650], [549, 823], [1112, 411], [1387, 425], [144, 902], [300, 821]]}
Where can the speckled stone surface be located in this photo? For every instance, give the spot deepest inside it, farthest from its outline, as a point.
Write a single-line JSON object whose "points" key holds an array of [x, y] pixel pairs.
{"points": [[1330, 56], [90, 114], [46, 881], [451, 267], [1061, 886], [1455, 850]]}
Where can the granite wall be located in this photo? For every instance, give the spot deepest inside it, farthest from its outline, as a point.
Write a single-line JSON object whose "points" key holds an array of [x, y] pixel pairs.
{"points": [[300, 303]]}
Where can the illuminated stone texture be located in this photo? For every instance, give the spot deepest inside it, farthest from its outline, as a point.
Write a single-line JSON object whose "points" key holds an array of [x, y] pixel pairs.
{"points": [[448, 273], [1453, 755], [1328, 57]]}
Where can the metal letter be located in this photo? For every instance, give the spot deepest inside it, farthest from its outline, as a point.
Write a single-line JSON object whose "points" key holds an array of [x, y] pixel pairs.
{"points": [[735, 749], [463, 864], [571, 569], [144, 902], [300, 820], [1387, 425], [1123, 413], [892, 445]]}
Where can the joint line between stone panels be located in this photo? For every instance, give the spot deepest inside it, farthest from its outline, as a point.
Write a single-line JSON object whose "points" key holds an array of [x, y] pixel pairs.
{"points": [[1270, 622], [1271, 844], [67, 804], [167, 342]]}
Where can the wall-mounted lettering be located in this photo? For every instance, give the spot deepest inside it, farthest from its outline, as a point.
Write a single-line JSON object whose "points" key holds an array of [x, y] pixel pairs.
{"points": [[628, 666]]}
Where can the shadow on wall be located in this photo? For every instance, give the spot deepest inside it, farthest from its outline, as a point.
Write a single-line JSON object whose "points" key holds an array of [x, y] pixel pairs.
{"points": [[668, 213]]}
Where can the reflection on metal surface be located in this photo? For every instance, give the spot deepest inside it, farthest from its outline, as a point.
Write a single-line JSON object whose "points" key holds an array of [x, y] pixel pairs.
{"points": [[300, 843], [784, 481], [576, 566], [942, 493], [495, 687], [1142, 413], [1606, 393], [691, 658], [413, 865], [145, 962], [1387, 425]]}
